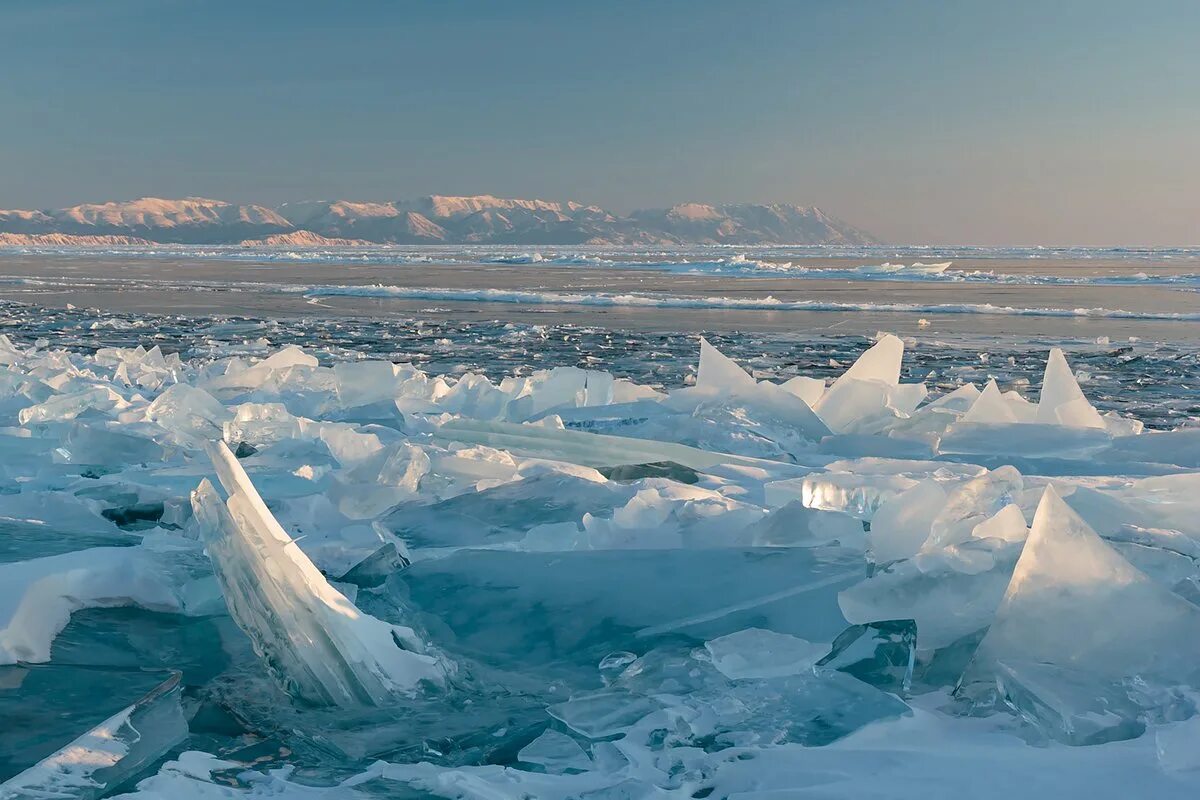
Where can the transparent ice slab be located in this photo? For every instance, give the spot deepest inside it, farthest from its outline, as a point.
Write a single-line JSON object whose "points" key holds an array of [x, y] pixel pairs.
{"points": [[1083, 642], [515, 610], [100, 759], [1074, 602], [579, 447], [314, 640], [673, 697]]}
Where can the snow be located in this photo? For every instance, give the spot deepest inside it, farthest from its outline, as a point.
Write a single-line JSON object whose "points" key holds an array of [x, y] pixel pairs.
{"points": [[37, 597]]}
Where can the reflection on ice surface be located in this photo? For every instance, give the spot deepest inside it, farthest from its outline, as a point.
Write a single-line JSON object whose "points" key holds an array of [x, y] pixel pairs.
{"points": [[565, 583]]}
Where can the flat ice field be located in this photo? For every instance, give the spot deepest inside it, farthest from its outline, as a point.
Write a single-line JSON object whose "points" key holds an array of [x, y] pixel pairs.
{"points": [[447, 525]]}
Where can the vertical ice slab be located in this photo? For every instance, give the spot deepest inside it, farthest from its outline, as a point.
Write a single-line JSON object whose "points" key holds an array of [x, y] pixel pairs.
{"points": [[104, 757], [869, 394], [1075, 602], [1084, 644], [1062, 401], [720, 378], [990, 407], [313, 639]]}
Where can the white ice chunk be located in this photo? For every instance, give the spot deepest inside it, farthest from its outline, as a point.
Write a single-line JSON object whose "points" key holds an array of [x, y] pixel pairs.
{"points": [[63, 407], [290, 356], [950, 593], [106, 445], [392, 476], [848, 406], [869, 394], [266, 373], [1062, 401], [1008, 524], [321, 646], [879, 363], [781, 412], [971, 503], [855, 494], [807, 389], [192, 414], [667, 514], [566, 387], [262, 424], [361, 383], [719, 373]]}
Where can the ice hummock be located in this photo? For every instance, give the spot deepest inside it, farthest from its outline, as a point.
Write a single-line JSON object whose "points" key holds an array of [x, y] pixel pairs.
{"points": [[313, 639], [1062, 400], [869, 394], [1080, 632], [1074, 601]]}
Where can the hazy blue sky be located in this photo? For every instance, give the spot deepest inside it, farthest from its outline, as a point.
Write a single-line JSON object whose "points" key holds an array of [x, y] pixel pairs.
{"points": [[1057, 121]]}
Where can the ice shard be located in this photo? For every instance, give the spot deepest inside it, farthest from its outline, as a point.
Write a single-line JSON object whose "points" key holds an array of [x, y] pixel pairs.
{"points": [[869, 394], [1081, 632], [951, 593], [313, 639], [104, 757], [990, 407], [879, 363], [882, 654], [1075, 602], [902, 523], [556, 753], [1062, 401], [779, 411], [971, 504], [758, 653]]}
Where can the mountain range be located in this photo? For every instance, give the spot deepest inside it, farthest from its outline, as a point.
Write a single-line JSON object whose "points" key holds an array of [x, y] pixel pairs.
{"points": [[436, 219]]}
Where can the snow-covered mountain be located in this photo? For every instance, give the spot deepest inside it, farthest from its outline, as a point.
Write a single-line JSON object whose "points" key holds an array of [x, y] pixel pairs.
{"points": [[441, 219], [191, 220], [746, 223], [68, 240]]}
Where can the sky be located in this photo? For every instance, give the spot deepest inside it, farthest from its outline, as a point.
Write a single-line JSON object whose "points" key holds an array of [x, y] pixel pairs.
{"points": [[955, 122]]}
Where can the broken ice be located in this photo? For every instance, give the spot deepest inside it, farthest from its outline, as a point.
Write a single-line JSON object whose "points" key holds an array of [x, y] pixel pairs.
{"points": [[563, 583]]}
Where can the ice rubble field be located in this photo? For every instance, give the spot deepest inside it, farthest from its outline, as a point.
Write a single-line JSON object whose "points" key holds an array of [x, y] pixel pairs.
{"points": [[258, 576]]}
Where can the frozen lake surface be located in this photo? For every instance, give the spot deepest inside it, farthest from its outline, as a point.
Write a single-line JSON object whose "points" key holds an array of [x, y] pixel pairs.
{"points": [[460, 523]]}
